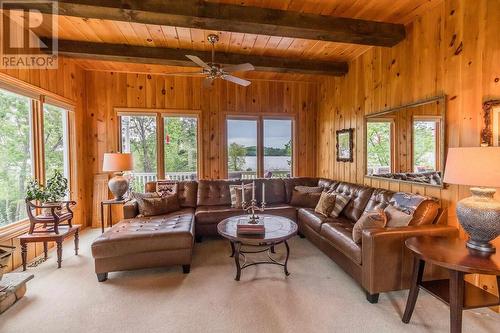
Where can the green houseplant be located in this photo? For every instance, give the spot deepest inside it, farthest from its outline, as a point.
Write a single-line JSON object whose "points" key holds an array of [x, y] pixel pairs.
{"points": [[50, 194]]}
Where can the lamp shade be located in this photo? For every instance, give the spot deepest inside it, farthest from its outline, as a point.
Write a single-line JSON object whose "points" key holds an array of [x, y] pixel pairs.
{"points": [[476, 166], [117, 162]]}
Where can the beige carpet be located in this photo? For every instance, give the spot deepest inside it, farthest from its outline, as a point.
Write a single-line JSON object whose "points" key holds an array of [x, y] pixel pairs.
{"points": [[317, 297]]}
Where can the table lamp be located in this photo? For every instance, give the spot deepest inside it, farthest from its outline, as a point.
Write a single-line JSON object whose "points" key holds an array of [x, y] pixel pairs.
{"points": [[117, 163], [479, 214]]}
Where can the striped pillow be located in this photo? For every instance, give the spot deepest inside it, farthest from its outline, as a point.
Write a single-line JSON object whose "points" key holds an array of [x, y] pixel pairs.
{"points": [[340, 202]]}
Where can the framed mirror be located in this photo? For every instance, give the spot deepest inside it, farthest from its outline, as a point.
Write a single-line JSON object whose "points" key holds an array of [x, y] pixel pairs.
{"points": [[490, 135], [407, 143], [345, 143]]}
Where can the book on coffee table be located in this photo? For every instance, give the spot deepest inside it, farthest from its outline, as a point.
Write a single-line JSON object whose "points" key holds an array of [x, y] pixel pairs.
{"points": [[245, 227]]}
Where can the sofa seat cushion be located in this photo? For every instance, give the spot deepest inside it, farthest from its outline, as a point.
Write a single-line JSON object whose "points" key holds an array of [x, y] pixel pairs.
{"points": [[215, 214], [339, 233], [307, 216], [172, 231]]}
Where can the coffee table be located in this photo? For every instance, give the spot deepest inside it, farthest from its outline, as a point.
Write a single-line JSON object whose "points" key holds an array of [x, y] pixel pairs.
{"points": [[278, 230]]}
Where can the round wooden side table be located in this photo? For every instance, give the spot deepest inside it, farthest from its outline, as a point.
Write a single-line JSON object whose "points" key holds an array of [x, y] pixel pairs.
{"points": [[278, 230], [459, 295]]}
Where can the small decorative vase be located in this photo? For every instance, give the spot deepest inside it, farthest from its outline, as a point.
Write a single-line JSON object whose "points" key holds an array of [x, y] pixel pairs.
{"points": [[118, 185], [479, 215]]}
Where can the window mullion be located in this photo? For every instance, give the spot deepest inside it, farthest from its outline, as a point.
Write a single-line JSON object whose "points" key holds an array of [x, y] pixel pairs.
{"points": [[160, 148], [260, 147], [38, 141]]}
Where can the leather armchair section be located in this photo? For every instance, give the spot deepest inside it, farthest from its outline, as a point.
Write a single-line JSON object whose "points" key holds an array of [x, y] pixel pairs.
{"points": [[130, 209], [339, 234], [215, 192], [426, 213], [359, 196], [387, 263], [307, 216]]}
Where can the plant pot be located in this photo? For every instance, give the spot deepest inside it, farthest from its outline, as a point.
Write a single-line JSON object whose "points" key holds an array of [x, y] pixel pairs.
{"points": [[47, 210], [5, 253]]}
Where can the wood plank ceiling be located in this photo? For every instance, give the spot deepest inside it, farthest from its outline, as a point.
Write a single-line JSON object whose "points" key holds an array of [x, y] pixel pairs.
{"points": [[132, 33]]}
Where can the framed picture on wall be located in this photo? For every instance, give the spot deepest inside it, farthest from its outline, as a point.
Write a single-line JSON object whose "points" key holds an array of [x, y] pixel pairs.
{"points": [[345, 145], [490, 134]]}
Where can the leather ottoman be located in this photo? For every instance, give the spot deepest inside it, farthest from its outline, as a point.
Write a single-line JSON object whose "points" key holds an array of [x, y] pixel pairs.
{"points": [[146, 242]]}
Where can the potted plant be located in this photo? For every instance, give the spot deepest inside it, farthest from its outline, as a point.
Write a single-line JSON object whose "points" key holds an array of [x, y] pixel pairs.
{"points": [[49, 195]]}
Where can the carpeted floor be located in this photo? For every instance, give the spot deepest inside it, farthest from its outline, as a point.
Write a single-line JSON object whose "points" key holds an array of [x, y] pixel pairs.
{"points": [[317, 297]]}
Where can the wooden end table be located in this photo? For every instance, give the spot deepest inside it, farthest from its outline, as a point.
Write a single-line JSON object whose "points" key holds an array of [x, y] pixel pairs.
{"points": [[278, 230], [459, 295], [40, 236], [109, 203]]}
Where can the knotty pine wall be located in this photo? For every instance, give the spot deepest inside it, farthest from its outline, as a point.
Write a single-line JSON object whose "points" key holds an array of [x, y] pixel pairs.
{"points": [[109, 90], [67, 82], [452, 49]]}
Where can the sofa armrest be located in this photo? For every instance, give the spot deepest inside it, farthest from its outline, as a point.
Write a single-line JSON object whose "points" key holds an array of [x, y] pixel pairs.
{"points": [[386, 262], [130, 209]]}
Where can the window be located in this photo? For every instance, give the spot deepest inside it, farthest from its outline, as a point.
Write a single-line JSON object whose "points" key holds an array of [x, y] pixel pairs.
{"points": [[56, 145], [242, 148], [259, 147], [181, 147], [379, 147], [138, 136], [277, 148], [16, 164], [425, 145]]}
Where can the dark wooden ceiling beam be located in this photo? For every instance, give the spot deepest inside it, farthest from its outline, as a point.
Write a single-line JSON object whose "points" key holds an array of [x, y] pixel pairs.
{"points": [[177, 57], [234, 18]]}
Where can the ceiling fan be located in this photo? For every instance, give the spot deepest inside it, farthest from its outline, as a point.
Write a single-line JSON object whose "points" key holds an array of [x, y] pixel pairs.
{"points": [[213, 70]]}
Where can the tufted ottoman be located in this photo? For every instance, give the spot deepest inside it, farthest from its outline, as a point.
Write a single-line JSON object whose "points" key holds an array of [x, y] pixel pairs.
{"points": [[145, 242]]}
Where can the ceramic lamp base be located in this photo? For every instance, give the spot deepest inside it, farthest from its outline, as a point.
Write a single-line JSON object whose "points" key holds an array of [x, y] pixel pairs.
{"points": [[118, 185], [479, 215]]}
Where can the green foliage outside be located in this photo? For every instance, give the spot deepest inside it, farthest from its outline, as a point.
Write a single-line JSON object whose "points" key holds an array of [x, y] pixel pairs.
{"points": [[378, 138], [139, 138], [181, 151], [15, 156], [236, 156], [53, 127], [424, 151]]}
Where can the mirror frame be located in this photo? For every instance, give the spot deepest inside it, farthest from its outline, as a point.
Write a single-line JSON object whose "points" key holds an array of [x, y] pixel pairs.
{"points": [[441, 100]]}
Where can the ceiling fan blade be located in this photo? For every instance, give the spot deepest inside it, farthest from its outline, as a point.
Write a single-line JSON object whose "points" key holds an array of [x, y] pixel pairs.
{"points": [[198, 61], [207, 82], [236, 80], [239, 68]]}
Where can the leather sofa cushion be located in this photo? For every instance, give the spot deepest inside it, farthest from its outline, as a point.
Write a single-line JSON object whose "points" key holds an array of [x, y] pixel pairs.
{"points": [[147, 234], [379, 200], [290, 184], [328, 184], [339, 233], [215, 214], [358, 195], [187, 191], [215, 192], [307, 216], [275, 190]]}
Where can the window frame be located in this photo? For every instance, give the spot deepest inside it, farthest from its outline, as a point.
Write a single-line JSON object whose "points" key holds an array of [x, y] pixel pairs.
{"points": [[259, 118], [38, 97], [160, 114]]}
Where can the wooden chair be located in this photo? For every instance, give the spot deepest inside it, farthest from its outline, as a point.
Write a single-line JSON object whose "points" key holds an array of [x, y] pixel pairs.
{"points": [[59, 214]]}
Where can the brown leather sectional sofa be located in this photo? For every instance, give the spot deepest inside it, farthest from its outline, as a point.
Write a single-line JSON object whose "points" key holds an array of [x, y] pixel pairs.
{"points": [[380, 263]]}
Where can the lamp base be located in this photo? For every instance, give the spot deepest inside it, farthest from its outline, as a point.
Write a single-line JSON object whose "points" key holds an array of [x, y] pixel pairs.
{"points": [[479, 216], [118, 185]]}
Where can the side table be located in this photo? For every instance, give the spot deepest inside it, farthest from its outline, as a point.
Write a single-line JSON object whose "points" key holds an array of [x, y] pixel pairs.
{"points": [[40, 236], [451, 253], [109, 203]]}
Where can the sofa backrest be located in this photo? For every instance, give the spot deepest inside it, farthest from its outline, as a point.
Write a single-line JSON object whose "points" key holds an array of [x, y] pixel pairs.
{"points": [[359, 196], [378, 200], [215, 192], [187, 191], [328, 184], [290, 184], [275, 190]]}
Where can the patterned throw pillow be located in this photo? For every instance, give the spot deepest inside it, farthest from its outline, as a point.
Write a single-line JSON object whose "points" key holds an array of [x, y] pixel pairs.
{"points": [[236, 197], [340, 202], [374, 219], [325, 204], [152, 204], [166, 187], [397, 218], [305, 196]]}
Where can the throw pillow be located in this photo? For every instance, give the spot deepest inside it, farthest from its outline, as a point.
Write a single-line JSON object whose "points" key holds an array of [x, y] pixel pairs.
{"points": [[374, 219], [309, 189], [236, 195], [305, 199], [396, 217], [151, 204], [325, 204], [166, 187], [340, 202]]}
